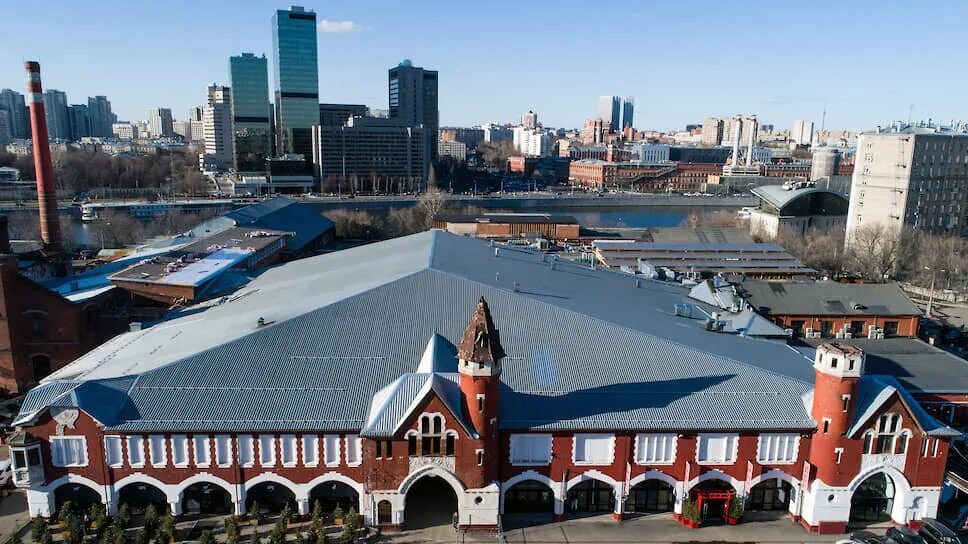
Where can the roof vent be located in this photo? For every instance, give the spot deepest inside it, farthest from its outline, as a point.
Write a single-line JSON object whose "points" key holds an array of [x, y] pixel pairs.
{"points": [[134, 326], [497, 276], [858, 306], [497, 251], [261, 322]]}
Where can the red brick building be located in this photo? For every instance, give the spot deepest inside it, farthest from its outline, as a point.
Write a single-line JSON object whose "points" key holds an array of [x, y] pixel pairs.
{"points": [[353, 394], [835, 310]]}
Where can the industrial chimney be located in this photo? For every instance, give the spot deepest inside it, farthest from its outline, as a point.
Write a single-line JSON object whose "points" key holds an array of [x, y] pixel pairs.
{"points": [[50, 233]]}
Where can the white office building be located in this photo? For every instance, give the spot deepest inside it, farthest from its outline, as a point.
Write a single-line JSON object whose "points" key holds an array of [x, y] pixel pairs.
{"points": [[802, 132]]}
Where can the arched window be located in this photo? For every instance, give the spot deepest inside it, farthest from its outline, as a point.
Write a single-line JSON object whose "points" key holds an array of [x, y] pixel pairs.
{"points": [[902, 442], [433, 439], [886, 430]]}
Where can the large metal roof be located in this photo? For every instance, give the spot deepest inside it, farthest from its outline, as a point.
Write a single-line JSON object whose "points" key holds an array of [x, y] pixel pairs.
{"points": [[828, 298], [779, 198], [587, 349]]}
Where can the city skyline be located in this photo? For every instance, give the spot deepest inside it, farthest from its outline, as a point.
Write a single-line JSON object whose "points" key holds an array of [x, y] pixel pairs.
{"points": [[823, 56]]}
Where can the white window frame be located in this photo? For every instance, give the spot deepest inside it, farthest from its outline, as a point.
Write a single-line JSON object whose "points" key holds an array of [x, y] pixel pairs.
{"points": [[265, 461], [314, 440], [284, 441], [226, 440], [664, 438], [762, 450], [597, 462], [138, 442], [183, 449], [732, 443], [249, 446], [83, 439], [515, 444], [107, 451], [206, 447], [152, 446], [330, 457], [354, 441]]}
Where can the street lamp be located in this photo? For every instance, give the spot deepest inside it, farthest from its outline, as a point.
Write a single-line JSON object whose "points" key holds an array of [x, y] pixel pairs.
{"points": [[931, 291]]}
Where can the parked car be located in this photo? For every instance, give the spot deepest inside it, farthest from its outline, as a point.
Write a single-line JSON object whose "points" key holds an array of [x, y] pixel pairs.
{"points": [[935, 532], [863, 537], [903, 535], [6, 471]]}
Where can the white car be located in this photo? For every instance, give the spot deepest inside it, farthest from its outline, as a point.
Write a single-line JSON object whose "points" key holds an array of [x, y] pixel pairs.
{"points": [[6, 471]]}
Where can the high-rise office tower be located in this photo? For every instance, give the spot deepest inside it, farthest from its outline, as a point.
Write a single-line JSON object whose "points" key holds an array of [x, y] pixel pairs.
{"points": [[6, 130], [609, 110], [160, 123], [529, 120], [250, 112], [413, 100], [217, 126], [58, 116], [80, 120], [628, 112], [13, 103], [296, 78], [802, 133], [99, 110]]}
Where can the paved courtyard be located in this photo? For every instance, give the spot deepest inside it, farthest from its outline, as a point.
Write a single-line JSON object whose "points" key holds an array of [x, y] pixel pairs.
{"points": [[646, 530]]}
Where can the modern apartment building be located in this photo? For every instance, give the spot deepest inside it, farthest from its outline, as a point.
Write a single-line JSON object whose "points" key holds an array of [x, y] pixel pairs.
{"points": [[217, 126], [628, 112], [251, 133], [13, 103], [368, 150], [296, 78], [160, 123], [712, 131], [413, 100], [802, 133], [80, 121], [58, 115], [99, 110], [910, 176]]}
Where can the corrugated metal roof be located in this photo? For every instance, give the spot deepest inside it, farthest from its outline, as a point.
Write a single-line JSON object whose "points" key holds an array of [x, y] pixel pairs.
{"points": [[281, 213], [779, 197], [587, 349], [876, 390]]}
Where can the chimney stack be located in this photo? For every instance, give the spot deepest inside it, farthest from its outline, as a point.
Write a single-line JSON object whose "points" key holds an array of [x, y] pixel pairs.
{"points": [[50, 233]]}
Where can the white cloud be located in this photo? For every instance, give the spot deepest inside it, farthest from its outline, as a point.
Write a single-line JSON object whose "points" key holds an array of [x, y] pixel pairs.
{"points": [[338, 26]]}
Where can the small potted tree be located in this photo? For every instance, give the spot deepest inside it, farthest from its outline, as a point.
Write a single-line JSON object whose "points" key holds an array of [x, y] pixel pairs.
{"points": [[338, 514], [168, 528], [255, 514], [734, 511], [232, 532], [318, 519], [690, 514], [350, 528]]}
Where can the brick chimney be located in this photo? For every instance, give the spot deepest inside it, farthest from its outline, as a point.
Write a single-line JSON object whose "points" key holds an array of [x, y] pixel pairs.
{"points": [[50, 233]]}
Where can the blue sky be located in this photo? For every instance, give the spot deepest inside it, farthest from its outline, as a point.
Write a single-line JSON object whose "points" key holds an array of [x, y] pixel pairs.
{"points": [[865, 61]]}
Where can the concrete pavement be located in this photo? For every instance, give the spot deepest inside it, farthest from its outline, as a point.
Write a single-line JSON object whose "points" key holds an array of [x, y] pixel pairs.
{"points": [[13, 514]]}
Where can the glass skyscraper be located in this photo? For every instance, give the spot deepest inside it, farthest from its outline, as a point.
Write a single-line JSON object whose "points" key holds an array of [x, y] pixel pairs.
{"points": [[296, 78], [413, 99], [250, 112]]}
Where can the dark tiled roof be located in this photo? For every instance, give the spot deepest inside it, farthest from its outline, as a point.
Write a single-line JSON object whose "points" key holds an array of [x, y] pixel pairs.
{"points": [[829, 298]]}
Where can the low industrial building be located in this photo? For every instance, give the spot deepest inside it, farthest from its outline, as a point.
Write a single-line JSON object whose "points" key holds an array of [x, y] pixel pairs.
{"points": [[701, 260], [186, 275], [435, 374], [828, 309], [797, 208], [509, 226]]}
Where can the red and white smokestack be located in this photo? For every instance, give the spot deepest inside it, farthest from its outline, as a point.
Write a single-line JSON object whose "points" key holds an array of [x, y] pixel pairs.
{"points": [[50, 233]]}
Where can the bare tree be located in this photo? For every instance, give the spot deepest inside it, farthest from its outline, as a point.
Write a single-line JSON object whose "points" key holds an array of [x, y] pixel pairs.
{"points": [[430, 204], [878, 252], [822, 251]]}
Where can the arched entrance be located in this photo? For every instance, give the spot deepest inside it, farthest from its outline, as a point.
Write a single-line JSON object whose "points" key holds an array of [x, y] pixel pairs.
{"points": [[712, 498], [78, 497], [772, 494], [529, 497], [271, 496], [430, 501], [332, 494], [591, 496], [206, 498], [873, 500], [139, 495], [651, 496]]}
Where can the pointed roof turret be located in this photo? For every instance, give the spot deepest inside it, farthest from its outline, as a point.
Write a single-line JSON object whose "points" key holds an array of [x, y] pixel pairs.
{"points": [[481, 342]]}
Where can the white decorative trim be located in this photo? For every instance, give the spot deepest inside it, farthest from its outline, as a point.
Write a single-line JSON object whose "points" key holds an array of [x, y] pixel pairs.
{"points": [[140, 478], [774, 474], [714, 474], [431, 470], [592, 475], [675, 449], [654, 475], [76, 479], [731, 458], [208, 478], [273, 478], [511, 448], [335, 477], [574, 447], [767, 462]]}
